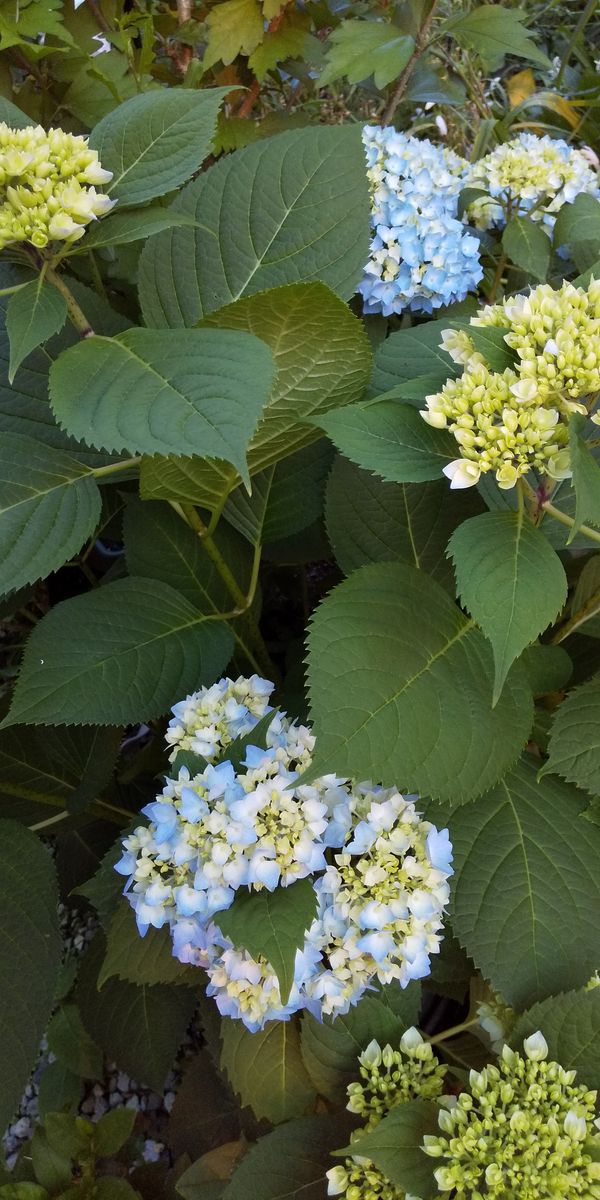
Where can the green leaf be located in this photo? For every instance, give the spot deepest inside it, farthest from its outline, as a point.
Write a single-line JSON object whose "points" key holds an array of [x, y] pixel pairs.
{"points": [[136, 959], [72, 1045], [510, 580], [23, 1191], [494, 31], [401, 688], [578, 227], [489, 341], [272, 925], [315, 226], [526, 887], [570, 1024], [391, 439], [330, 1048], [548, 668], [372, 521], [104, 889], [574, 748], [30, 954], [140, 1028], [49, 505], [586, 477], [410, 353], [13, 116], [234, 27], [265, 1069], [59, 1090], [527, 246], [63, 769], [33, 315], [362, 48], [123, 227], [184, 391], [467, 197], [112, 1131], [155, 141], [205, 1113], [124, 653], [290, 40], [289, 1163], [322, 359], [395, 1146]]}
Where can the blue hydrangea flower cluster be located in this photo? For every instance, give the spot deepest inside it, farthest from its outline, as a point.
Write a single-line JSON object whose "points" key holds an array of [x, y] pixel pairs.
{"points": [[530, 174], [380, 871], [422, 256]]}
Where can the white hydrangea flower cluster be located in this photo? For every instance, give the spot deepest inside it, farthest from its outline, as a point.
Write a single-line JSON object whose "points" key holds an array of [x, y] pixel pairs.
{"points": [[515, 421], [529, 175], [255, 825], [47, 186], [422, 255]]}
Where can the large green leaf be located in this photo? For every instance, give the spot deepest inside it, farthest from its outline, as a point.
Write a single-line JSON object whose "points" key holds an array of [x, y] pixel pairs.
{"points": [[154, 142], [362, 48], [526, 891], [511, 581], [578, 227], [412, 353], [272, 925], [30, 954], [291, 208], [391, 439], [322, 359], [187, 391], [141, 960], [140, 1028], [266, 1070], [401, 688], [49, 505], [72, 1045], [372, 521], [51, 768], [570, 1024], [129, 226], [125, 653], [33, 315], [395, 1145], [527, 246], [289, 1163], [586, 477], [330, 1048], [574, 748], [205, 1113], [285, 498], [494, 31]]}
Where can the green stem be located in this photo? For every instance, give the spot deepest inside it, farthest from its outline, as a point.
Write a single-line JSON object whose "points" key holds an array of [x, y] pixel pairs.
{"points": [[76, 314], [96, 276], [11, 290], [587, 13], [583, 614], [593, 534], [453, 1031], [189, 514], [404, 77], [50, 821], [497, 280], [111, 468]]}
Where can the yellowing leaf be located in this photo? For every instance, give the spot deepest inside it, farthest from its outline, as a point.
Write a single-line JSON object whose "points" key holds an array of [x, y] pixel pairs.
{"points": [[235, 27], [271, 8], [520, 86]]}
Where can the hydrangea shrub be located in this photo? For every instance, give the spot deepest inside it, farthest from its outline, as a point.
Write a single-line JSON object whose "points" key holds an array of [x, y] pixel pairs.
{"points": [[300, 589]]}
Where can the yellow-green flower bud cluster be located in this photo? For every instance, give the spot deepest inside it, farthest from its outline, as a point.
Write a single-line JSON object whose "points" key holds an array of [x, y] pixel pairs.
{"points": [[47, 186], [522, 1132], [391, 1077], [515, 421]]}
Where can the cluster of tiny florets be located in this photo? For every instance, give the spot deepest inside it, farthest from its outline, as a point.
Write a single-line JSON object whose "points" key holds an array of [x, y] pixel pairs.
{"points": [[523, 1130], [422, 255], [515, 421], [380, 872], [389, 1078], [47, 186], [529, 175]]}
